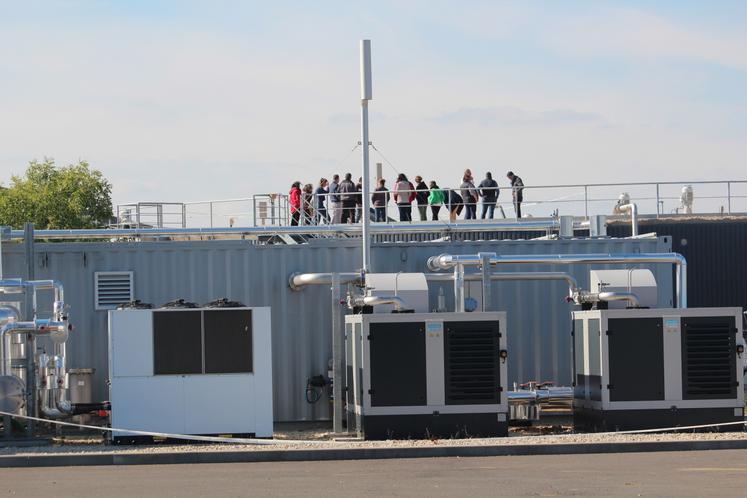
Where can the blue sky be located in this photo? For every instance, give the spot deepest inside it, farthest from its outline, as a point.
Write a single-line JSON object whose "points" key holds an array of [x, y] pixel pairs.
{"points": [[192, 100]]}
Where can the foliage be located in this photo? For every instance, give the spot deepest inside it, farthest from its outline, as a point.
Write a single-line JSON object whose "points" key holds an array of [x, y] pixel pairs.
{"points": [[73, 196]]}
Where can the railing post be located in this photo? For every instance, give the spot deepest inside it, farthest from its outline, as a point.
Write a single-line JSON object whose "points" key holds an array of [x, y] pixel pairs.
{"points": [[586, 202], [728, 196], [211, 214], [657, 200]]}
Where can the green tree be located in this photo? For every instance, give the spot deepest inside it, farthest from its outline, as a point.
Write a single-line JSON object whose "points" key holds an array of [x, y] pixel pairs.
{"points": [[73, 196]]}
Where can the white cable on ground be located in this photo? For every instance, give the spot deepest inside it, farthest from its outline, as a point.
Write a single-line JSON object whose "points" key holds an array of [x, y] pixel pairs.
{"points": [[639, 431], [269, 442], [186, 437]]}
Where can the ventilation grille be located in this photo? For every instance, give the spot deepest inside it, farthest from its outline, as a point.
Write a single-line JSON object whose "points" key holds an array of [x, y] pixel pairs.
{"points": [[112, 288], [472, 365], [709, 366]]}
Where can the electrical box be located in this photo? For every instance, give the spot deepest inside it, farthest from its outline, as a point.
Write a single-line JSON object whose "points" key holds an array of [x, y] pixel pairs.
{"points": [[423, 375], [191, 371], [657, 368]]}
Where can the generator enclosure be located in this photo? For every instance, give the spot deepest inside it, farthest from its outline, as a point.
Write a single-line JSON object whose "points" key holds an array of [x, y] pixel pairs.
{"points": [[204, 371], [423, 375], [657, 368]]}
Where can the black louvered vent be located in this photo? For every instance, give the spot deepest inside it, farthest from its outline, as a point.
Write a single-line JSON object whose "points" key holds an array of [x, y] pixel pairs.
{"points": [[708, 368], [472, 363]]}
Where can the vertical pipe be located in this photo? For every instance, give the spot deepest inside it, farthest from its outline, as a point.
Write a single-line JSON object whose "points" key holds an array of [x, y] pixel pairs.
{"points": [[728, 197], [365, 47], [487, 296], [211, 215], [681, 284], [28, 245], [459, 288], [338, 345], [31, 393], [657, 200]]}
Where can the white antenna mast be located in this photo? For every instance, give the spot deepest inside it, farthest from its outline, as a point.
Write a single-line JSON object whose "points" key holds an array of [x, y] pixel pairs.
{"points": [[366, 95]]}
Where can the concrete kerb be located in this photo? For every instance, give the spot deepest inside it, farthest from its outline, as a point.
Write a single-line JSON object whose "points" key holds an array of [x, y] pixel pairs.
{"points": [[99, 459]]}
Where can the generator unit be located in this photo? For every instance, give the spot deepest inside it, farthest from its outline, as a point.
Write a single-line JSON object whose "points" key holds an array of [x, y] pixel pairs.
{"points": [[199, 371], [657, 368], [423, 375]]}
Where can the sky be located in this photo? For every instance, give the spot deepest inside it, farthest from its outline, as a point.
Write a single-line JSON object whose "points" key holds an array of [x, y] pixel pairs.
{"points": [[186, 101]]}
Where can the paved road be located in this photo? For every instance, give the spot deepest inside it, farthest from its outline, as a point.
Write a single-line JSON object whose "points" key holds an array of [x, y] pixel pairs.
{"points": [[697, 473]]}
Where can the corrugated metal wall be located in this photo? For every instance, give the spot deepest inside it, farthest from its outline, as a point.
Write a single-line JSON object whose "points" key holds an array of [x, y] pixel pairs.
{"points": [[539, 320], [716, 253]]}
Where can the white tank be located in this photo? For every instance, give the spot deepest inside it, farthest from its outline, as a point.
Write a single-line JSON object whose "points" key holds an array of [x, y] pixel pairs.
{"points": [[639, 281], [412, 288]]}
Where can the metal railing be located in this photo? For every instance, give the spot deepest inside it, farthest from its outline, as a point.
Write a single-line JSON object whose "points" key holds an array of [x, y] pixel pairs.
{"points": [[581, 200], [151, 215]]}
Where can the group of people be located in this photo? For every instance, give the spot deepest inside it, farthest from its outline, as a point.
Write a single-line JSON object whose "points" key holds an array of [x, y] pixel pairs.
{"points": [[342, 202]]}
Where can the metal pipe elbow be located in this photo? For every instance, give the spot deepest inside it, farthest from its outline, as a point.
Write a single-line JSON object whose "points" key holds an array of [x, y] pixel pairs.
{"points": [[631, 297]]}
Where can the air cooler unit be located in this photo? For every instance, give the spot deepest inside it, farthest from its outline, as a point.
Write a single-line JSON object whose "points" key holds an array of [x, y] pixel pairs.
{"points": [[424, 375], [184, 370], [657, 368]]}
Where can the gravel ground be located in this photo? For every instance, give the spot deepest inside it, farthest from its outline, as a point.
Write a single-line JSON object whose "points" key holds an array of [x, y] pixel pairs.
{"points": [[321, 440]]}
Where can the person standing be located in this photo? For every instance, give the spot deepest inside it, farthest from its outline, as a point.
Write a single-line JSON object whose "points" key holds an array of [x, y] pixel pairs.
{"points": [[307, 204], [517, 192], [348, 194], [359, 202], [435, 199], [469, 195], [335, 203], [294, 198], [379, 199], [404, 194], [489, 193], [456, 204], [321, 195], [421, 197]]}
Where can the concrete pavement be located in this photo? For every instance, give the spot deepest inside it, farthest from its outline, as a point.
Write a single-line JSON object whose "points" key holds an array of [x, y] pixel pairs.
{"points": [[690, 473]]}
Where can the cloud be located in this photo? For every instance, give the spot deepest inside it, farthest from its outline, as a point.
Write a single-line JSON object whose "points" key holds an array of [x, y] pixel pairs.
{"points": [[514, 116], [643, 35]]}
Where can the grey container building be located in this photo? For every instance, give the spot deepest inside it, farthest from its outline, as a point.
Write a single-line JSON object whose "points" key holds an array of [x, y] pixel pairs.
{"points": [[538, 318]]}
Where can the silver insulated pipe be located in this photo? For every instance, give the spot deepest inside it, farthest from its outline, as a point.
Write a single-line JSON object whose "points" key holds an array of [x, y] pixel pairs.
{"points": [[449, 261]]}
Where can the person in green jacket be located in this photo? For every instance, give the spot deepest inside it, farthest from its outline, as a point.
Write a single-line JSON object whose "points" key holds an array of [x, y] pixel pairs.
{"points": [[435, 199]]}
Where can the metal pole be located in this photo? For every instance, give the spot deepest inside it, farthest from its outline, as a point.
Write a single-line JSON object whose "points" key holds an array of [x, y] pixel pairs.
{"points": [[28, 245], [487, 297], [211, 214], [338, 350], [586, 201], [366, 95], [657, 200], [728, 196], [459, 288]]}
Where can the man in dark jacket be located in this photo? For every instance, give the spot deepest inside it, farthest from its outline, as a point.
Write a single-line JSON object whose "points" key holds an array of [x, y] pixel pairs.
{"points": [[517, 190], [421, 196], [348, 196], [489, 193], [379, 199]]}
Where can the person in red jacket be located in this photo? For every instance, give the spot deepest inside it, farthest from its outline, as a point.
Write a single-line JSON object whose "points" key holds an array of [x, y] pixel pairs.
{"points": [[404, 194], [295, 202]]}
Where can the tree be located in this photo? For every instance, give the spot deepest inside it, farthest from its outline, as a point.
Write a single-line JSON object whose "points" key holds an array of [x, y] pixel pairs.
{"points": [[74, 196]]}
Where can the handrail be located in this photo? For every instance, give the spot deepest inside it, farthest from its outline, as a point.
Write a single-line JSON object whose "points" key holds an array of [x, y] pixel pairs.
{"points": [[573, 199], [534, 225]]}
